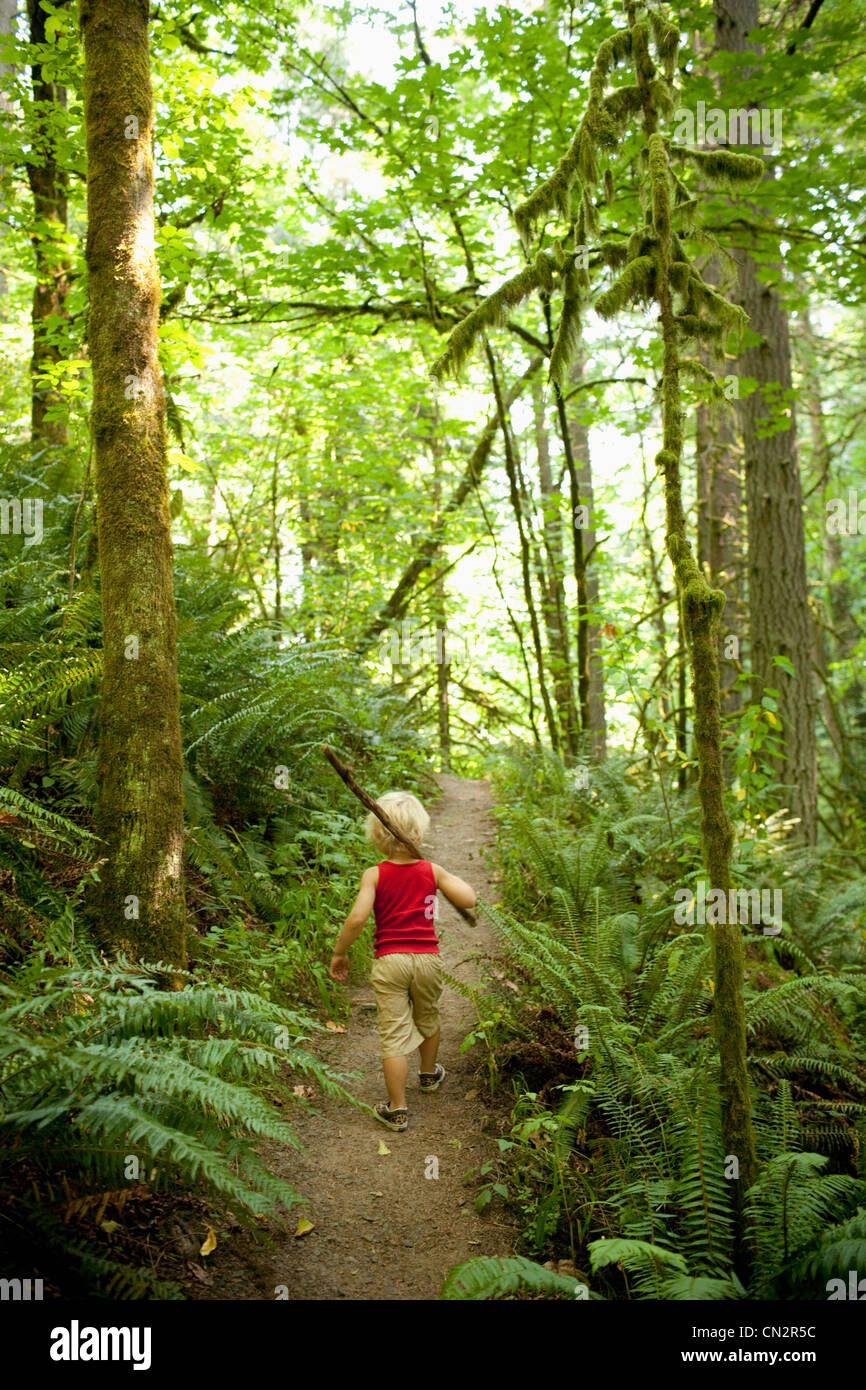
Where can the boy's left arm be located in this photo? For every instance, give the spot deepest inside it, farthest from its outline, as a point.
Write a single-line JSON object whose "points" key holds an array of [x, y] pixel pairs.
{"points": [[354, 924]]}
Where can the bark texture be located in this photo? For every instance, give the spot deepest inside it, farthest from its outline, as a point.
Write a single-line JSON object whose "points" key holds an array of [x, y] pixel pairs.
{"points": [[721, 518], [552, 576], [140, 763], [49, 187], [594, 705], [779, 616]]}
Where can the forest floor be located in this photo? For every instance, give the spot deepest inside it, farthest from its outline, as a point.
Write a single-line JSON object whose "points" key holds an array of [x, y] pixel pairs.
{"points": [[383, 1228]]}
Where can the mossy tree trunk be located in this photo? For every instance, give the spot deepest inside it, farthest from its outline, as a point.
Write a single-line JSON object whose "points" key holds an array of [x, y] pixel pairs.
{"points": [[701, 608], [594, 702], [8, 11], [140, 765], [653, 268], [721, 520], [49, 433]]}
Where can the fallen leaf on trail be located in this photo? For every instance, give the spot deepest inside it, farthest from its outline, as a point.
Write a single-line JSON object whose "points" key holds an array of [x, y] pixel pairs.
{"points": [[335, 1027], [377, 1194], [109, 1227], [210, 1242], [383, 1147], [304, 1227]]}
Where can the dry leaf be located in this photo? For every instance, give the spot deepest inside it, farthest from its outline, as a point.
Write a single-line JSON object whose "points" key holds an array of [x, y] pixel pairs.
{"points": [[383, 1147], [109, 1227], [335, 1027], [304, 1227], [210, 1242]]}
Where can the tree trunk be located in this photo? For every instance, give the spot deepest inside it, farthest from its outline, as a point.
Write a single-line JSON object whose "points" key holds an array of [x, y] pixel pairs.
{"points": [[49, 186], [440, 617], [395, 606], [702, 608], [525, 566], [721, 521], [140, 815], [553, 605], [595, 708], [841, 722], [8, 10], [779, 617]]}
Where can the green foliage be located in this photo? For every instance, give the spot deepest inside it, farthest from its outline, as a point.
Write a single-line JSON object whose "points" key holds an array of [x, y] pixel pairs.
{"points": [[488, 1277], [101, 1066], [631, 1165]]}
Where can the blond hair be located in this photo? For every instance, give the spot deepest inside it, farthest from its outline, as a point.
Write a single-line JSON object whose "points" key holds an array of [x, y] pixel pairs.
{"points": [[406, 813]]}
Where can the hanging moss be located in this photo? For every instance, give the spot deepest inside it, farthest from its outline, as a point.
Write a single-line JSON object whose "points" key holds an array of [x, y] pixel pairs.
{"points": [[621, 104], [692, 326], [661, 193], [691, 366], [587, 165], [544, 271], [662, 97], [552, 195], [667, 39], [588, 218], [612, 51], [644, 65], [725, 169], [728, 315], [490, 314], [634, 285], [680, 273], [568, 333], [613, 253], [656, 266]]}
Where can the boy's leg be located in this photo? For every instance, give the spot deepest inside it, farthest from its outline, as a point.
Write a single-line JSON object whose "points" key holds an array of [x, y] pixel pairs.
{"points": [[429, 1050], [396, 1070], [426, 991], [391, 977]]}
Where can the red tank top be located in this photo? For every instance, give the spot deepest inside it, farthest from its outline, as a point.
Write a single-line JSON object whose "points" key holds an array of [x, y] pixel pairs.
{"points": [[404, 908]]}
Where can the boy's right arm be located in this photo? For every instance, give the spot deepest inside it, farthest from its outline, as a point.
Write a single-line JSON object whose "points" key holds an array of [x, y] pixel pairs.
{"points": [[456, 890]]}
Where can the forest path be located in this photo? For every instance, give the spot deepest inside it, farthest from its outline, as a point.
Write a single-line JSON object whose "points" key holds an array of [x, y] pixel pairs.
{"points": [[384, 1230]]}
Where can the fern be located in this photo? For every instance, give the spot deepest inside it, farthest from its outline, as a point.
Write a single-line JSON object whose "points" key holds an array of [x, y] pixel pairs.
{"points": [[488, 1277]]}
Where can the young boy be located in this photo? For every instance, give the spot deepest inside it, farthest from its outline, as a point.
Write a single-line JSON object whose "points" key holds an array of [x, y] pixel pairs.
{"points": [[407, 973]]}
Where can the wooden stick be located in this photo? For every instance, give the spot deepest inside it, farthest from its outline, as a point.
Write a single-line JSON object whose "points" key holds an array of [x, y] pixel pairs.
{"points": [[366, 800]]}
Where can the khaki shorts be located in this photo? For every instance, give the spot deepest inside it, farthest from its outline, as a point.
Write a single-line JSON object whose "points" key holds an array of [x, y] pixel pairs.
{"points": [[407, 987]]}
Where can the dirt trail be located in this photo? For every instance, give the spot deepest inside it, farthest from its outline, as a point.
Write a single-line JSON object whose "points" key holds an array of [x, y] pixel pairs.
{"points": [[383, 1230]]}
